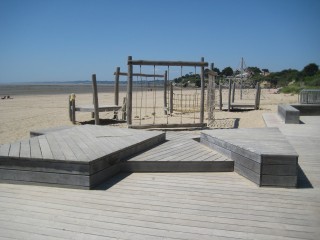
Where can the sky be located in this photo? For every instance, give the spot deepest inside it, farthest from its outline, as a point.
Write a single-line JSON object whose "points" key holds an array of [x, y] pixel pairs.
{"points": [[68, 40]]}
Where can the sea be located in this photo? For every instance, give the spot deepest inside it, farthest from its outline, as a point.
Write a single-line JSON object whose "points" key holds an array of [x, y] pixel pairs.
{"points": [[53, 88]]}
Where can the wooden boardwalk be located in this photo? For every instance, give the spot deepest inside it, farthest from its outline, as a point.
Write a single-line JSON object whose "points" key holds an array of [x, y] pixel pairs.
{"points": [[172, 205]]}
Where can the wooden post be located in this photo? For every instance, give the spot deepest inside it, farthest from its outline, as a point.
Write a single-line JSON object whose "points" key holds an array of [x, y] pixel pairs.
{"points": [[171, 98], [129, 92], [258, 92], [220, 96], [73, 107], [210, 86], [116, 87], [233, 92], [70, 108], [116, 91], [257, 97], [241, 88], [229, 95], [165, 93], [95, 99], [124, 109], [202, 93], [73, 111]]}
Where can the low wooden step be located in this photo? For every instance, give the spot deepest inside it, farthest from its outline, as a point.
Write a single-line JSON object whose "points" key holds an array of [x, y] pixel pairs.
{"points": [[262, 155], [182, 152]]}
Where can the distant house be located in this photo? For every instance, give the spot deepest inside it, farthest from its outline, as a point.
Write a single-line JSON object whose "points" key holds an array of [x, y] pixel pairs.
{"points": [[265, 72]]}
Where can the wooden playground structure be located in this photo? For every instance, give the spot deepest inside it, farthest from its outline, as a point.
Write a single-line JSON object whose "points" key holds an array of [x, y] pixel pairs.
{"points": [[162, 110], [153, 100], [242, 104]]}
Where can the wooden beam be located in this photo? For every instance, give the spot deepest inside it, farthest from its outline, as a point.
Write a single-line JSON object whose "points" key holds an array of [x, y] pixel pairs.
{"points": [[168, 63], [164, 126], [139, 74]]}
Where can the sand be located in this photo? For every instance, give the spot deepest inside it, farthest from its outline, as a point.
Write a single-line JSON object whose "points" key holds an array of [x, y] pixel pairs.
{"points": [[29, 111]]}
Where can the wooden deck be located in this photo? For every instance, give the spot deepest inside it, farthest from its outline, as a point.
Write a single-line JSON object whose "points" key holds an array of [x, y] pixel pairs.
{"points": [[172, 205], [181, 153], [81, 156], [262, 155]]}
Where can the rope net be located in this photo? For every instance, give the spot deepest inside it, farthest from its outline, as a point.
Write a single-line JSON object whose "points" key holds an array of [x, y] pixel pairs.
{"points": [[149, 106]]}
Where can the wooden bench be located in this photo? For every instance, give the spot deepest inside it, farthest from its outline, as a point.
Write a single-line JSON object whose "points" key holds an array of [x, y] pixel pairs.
{"points": [[289, 114], [262, 155]]}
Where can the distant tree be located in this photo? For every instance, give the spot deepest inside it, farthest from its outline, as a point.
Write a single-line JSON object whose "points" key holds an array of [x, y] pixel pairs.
{"points": [[198, 83], [227, 71], [265, 70], [217, 70], [311, 69], [254, 70]]}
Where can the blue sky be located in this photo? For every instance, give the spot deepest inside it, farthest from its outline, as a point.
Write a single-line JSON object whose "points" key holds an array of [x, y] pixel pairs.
{"points": [[68, 40]]}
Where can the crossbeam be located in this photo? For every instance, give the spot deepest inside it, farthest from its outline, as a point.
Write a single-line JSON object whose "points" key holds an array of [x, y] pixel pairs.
{"points": [[168, 63], [139, 74]]}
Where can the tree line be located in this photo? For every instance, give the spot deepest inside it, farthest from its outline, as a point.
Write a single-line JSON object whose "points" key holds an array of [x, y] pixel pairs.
{"points": [[290, 80]]}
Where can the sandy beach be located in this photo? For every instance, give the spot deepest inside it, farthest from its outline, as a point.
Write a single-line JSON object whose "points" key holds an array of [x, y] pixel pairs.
{"points": [[37, 107]]}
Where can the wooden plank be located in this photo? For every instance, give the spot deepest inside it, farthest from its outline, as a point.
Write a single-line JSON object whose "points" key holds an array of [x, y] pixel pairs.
{"points": [[55, 148], [282, 181], [45, 148], [35, 148], [280, 170], [246, 162], [160, 126], [247, 173], [177, 166], [103, 108], [25, 151], [5, 149], [13, 231], [14, 149], [80, 140], [63, 142], [92, 142], [44, 177], [75, 148]]}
